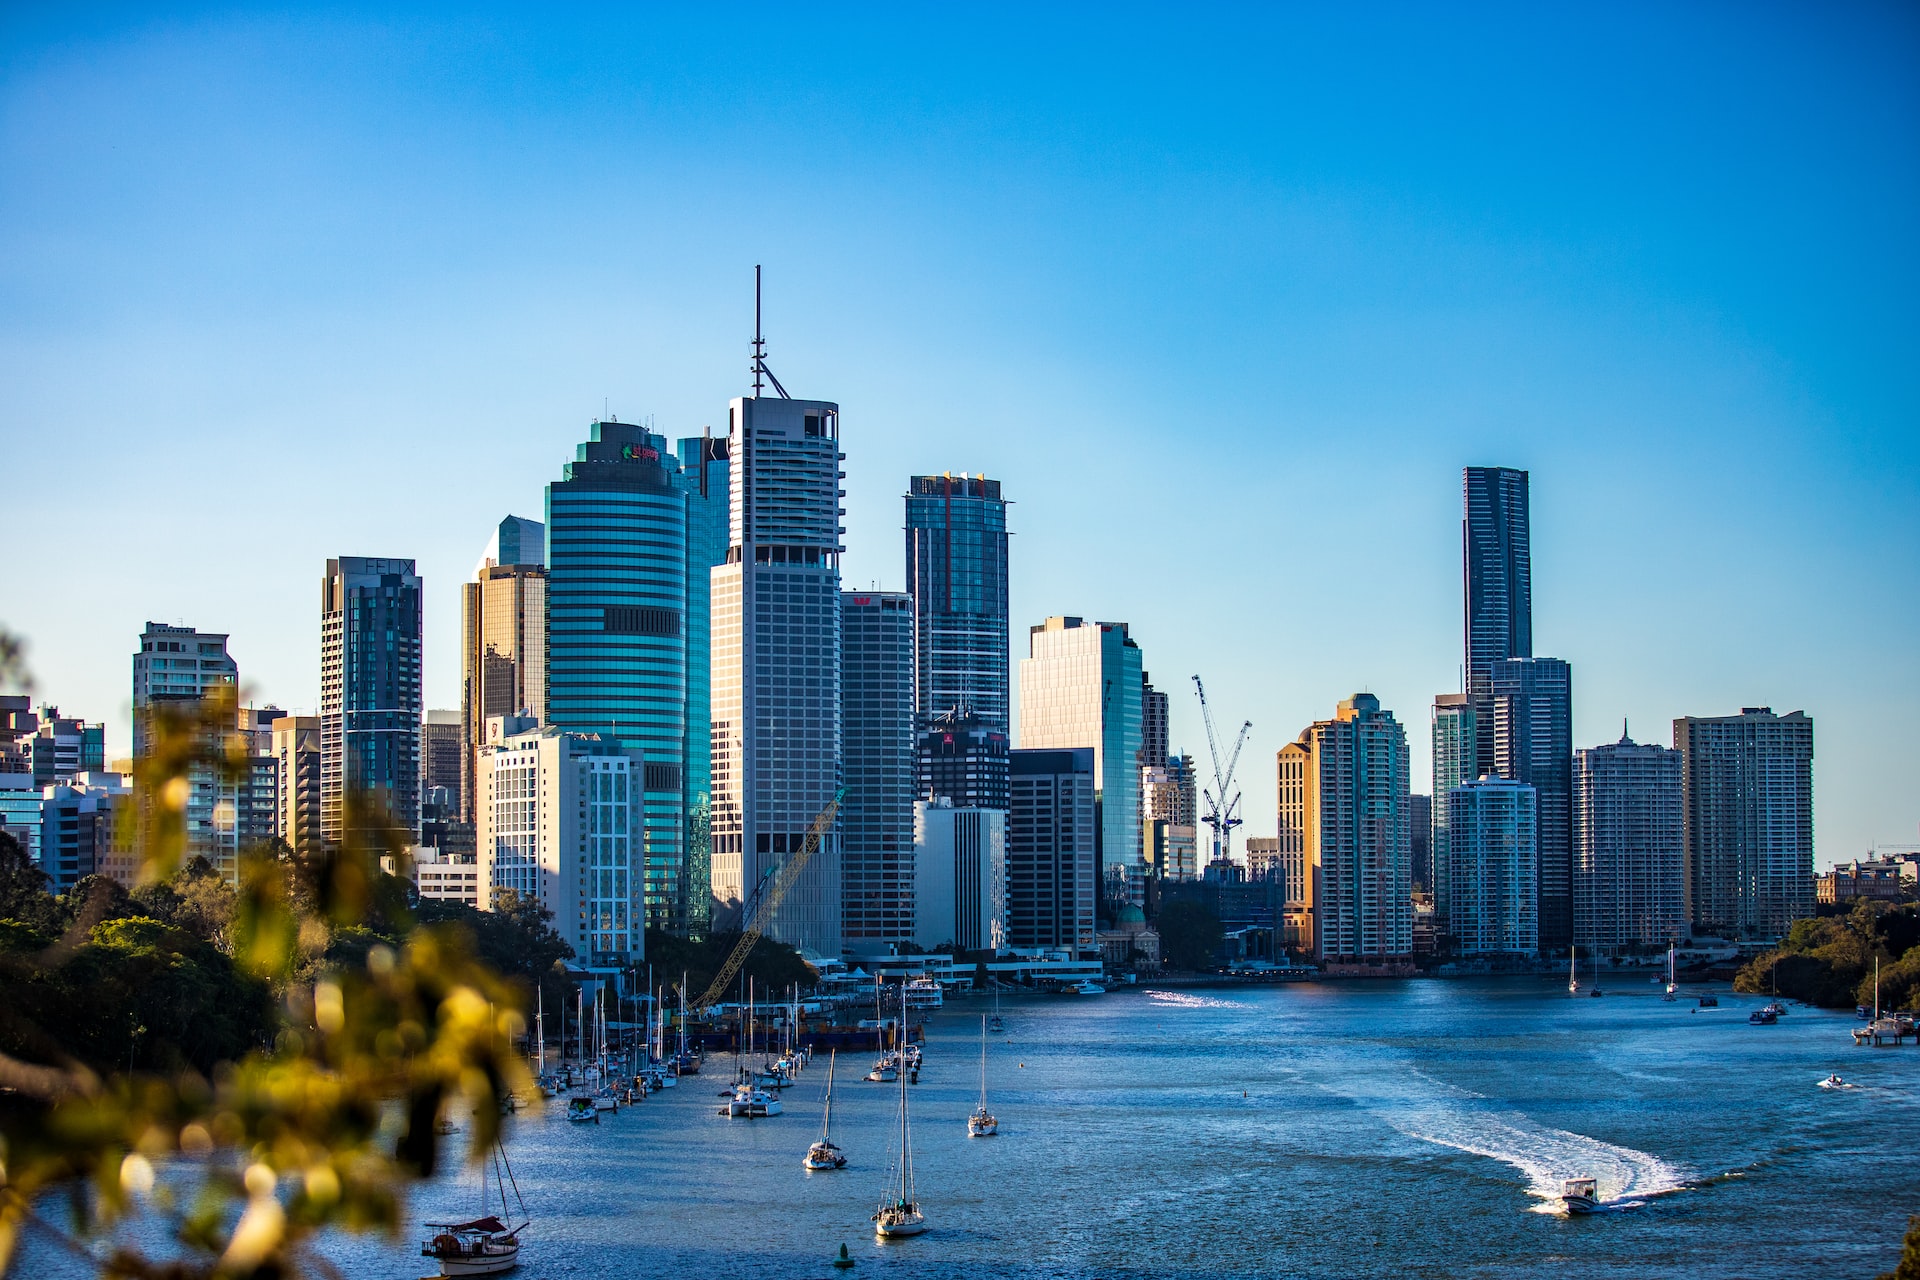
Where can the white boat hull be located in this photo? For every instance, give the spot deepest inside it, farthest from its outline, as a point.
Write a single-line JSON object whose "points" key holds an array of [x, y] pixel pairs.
{"points": [[895, 1229], [492, 1265]]}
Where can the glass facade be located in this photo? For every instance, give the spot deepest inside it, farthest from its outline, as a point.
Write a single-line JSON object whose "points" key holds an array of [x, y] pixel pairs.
{"points": [[1081, 688], [877, 884], [1497, 569], [616, 629], [370, 640], [704, 477], [957, 578], [1455, 760], [1532, 731]]}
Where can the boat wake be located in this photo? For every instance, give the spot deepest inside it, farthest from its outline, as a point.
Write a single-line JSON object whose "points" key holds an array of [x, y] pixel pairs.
{"points": [[1447, 1116], [1181, 1000]]}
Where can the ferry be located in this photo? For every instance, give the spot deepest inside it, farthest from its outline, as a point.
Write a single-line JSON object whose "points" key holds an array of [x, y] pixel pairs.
{"points": [[924, 993]]}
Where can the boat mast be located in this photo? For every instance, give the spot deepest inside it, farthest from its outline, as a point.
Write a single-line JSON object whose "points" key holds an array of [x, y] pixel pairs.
{"points": [[540, 1030], [906, 1130]]}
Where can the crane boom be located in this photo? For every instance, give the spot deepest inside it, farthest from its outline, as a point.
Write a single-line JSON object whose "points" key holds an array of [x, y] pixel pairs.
{"points": [[770, 902], [1221, 807]]}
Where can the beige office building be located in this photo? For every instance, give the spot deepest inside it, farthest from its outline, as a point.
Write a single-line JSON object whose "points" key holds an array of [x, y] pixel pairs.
{"points": [[296, 756], [503, 641]]}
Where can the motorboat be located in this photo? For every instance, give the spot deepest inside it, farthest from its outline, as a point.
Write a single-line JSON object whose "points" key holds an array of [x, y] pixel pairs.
{"points": [[1580, 1195], [1086, 987], [981, 1123], [824, 1155], [581, 1110], [484, 1246], [899, 1213], [1775, 1008], [1835, 1082], [750, 1102], [1709, 1002], [1763, 1017]]}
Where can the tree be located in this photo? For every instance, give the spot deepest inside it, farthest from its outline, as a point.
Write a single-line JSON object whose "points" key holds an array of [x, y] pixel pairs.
{"points": [[23, 888], [1190, 936], [1909, 1268], [295, 1121]]}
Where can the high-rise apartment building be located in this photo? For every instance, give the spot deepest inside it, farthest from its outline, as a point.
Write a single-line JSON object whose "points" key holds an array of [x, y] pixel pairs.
{"points": [[616, 627], [1497, 572], [877, 762], [441, 757], [561, 822], [704, 477], [1344, 801], [370, 647], [296, 761], [963, 760], [257, 793], [1629, 846], [62, 747], [1051, 881], [1532, 731], [776, 666], [1747, 789], [1081, 688], [1167, 819], [1155, 731], [1420, 823], [1491, 846], [957, 577], [178, 667], [503, 640]]}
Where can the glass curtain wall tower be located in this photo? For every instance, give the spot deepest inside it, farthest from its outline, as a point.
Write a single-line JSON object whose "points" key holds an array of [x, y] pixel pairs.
{"points": [[704, 475], [957, 577], [776, 668], [370, 624], [616, 635], [1497, 567]]}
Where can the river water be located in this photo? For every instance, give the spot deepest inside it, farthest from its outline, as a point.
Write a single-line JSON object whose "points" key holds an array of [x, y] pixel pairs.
{"points": [[1363, 1129]]}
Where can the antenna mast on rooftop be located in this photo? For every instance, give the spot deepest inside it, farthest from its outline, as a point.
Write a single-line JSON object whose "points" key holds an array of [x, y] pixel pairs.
{"points": [[760, 369]]}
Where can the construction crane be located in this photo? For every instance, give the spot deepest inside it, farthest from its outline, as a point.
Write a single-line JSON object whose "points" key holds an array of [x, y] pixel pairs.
{"points": [[758, 913], [1222, 811]]}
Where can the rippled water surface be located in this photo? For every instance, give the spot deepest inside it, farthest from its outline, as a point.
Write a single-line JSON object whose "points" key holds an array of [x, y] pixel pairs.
{"points": [[1339, 1129]]}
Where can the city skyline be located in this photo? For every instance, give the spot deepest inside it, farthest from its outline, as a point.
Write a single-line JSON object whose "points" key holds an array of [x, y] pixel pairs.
{"points": [[1660, 380]]}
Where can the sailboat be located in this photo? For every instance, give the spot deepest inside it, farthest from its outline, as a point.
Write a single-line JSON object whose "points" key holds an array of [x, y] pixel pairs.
{"points": [[996, 1023], [981, 1123], [1672, 986], [824, 1154], [1573, 973], [899, 1212], [486, 1246]]}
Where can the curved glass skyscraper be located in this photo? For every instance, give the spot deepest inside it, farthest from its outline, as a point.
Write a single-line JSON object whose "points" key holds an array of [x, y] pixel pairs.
{"points": [[616, 627]]}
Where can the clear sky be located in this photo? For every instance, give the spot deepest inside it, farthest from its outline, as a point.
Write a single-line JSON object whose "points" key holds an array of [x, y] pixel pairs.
{"points": [[1226, 297]]}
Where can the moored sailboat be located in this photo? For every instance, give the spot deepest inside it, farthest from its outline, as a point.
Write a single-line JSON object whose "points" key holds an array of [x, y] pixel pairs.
{"points": [[1573, 973], [823, 1154], [484, 1246], [981, 1123], [899, 1212]]}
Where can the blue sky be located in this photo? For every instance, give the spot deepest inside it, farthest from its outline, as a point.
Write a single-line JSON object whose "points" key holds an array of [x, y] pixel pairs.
{"points": [[1225, 297]]}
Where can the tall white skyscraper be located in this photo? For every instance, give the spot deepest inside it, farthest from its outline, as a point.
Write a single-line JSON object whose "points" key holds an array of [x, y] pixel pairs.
{"points": [[1081, 687], [776, 727]]}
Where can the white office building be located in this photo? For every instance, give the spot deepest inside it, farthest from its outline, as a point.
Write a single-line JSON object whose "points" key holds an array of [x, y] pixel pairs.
{"points": [[561, 821], [959, 876], [776, 727]]}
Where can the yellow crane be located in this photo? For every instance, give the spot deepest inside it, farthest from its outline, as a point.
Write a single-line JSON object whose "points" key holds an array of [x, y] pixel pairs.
{"points": [[769, 902]]}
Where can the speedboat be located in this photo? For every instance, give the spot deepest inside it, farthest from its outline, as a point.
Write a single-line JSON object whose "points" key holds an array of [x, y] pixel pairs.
{"points": [[483, 1247], [1580, 1195], [1834, 1082], [582, 1111]]}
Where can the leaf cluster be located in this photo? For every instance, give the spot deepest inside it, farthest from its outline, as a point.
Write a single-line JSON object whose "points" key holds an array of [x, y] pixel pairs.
{"points": [[1829, 960]]}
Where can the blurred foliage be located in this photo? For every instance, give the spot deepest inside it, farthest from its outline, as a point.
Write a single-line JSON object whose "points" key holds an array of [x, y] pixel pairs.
{"points": [[293, 1037], [1828, 960], [1909, 1268], [773, 966]]}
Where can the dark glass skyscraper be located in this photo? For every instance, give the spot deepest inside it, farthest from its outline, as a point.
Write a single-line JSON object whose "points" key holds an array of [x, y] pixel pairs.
{"points": [[1532, 736], [957, 576], [1496, 564], [370, 622], [616, 626]]}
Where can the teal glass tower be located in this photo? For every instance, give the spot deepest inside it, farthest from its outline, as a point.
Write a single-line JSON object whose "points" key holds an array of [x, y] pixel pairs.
{"points": [[704, 476], [616, 629]]}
